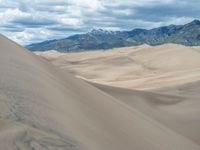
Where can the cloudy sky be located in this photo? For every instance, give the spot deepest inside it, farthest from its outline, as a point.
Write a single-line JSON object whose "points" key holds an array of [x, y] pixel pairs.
{"points": [[28, 21]]}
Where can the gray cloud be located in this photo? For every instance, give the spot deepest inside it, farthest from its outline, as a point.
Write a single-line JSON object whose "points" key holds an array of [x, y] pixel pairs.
{"points": [[23, 20], [34, 22]]}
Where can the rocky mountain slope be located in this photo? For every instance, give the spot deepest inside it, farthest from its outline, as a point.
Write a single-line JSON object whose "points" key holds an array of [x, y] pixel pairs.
{"points": [[188, 35]]}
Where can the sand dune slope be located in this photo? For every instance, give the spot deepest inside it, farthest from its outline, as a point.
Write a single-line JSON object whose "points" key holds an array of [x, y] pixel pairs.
{"points": [[178, 112], [44, 108]]}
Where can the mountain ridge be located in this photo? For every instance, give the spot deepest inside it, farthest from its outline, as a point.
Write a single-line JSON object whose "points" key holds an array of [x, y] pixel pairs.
{"points": [[188, 34]]}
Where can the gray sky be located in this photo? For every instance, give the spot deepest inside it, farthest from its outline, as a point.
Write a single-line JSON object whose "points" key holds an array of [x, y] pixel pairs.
{"points": [[28, 21]]}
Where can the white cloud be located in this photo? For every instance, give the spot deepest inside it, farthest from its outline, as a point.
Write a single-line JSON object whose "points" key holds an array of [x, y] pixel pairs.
{"points": [[29, 35], [23, 20], [70, 21], [11, 14], [92, 5]]}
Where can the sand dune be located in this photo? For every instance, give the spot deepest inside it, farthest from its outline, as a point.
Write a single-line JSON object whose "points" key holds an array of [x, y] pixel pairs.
{"points": [[160, 82], [45, 108], [143, 67], [179, 113]]}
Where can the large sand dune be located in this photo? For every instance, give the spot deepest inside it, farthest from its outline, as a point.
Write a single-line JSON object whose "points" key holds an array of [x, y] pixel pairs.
{"points": [[45, 108], [179, 113]]}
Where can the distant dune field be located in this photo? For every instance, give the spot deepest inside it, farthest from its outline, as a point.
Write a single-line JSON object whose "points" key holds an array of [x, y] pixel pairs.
{"points": [[143, 67], [43, 107]]}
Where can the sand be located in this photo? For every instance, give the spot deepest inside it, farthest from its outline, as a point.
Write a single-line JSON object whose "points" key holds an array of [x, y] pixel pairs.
{"points": [[43, 107], [142, 67]]}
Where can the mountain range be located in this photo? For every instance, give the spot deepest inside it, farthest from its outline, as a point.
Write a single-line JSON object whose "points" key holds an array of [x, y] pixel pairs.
{"points": [[188, 34]]}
